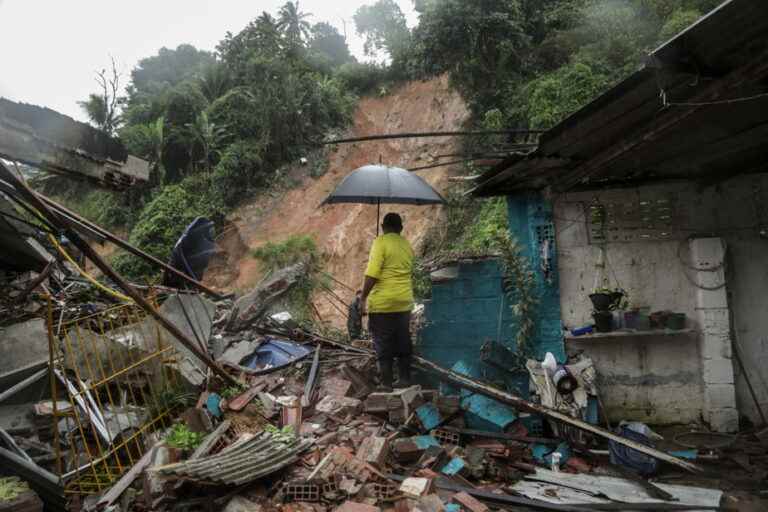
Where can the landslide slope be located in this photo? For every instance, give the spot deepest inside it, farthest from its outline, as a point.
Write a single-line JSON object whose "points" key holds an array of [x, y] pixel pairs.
{"points": [[343, 233]]}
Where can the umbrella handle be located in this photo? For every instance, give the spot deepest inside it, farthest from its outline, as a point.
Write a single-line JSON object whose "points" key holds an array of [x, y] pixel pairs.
{"points": [[378, 215]]}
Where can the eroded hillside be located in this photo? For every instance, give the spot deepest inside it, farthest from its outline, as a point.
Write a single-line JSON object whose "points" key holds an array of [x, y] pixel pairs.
{"points": [[344, 232]]}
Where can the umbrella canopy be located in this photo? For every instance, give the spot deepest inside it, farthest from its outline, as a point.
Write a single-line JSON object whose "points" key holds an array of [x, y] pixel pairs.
{"points": [[377, 184]]}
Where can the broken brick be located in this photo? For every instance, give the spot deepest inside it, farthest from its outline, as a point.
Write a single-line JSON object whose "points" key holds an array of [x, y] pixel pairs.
{"points": [[353, 506], [469, 503]]}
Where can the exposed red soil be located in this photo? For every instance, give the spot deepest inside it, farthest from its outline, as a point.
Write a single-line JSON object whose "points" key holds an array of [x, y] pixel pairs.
{"points": [[344, 232]]}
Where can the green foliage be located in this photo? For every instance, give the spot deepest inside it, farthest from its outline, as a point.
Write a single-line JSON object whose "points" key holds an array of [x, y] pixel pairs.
{"points": [[283, 435], [677, 22], [214, 81], [163, 220], [383, 25], [183, 438], [11, 487], [169, 68], [232, 391], [293, 24], [362, 77], [545, 101], [277, 255], [519, 287], [240, 171], [326, 42]]}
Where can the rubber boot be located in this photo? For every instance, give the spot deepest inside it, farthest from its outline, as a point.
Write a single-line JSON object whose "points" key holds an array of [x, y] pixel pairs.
{"points": [[386, 371], [403, 372]]}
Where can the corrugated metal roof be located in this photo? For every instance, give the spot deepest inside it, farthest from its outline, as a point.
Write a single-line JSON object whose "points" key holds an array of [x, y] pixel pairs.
{"points": [[629, 135], [243, 461]]}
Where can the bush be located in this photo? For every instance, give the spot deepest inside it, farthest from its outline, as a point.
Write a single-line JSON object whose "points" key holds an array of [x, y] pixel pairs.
{"points": [[362, 78], [279, 255], [240, 170]]}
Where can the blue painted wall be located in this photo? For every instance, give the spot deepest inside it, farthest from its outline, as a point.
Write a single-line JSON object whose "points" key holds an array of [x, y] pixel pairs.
{"points": [[463, 313], [530, 222]]}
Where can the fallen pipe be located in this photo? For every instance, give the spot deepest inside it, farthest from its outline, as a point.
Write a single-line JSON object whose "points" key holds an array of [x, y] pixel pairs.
{"points": [[524, 405], [62, 223]]}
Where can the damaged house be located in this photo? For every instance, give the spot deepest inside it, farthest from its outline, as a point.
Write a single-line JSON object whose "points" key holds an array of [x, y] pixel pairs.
{"points": [[657, 191]]}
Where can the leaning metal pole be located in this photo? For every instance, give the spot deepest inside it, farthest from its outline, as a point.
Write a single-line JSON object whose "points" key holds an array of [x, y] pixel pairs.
{"points": [[60, 222]]}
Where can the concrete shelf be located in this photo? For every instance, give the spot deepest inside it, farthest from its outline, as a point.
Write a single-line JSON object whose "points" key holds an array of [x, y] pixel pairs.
{"points": [[629, 334]]}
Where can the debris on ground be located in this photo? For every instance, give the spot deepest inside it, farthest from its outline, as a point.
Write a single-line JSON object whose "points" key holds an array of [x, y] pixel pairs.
{"points": [[187, 400]]}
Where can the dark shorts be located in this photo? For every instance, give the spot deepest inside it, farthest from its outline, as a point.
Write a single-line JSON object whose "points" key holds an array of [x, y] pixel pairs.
{"points": [[391, 334]]}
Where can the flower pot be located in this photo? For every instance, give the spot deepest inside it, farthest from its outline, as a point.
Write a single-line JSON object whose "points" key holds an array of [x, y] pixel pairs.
{"points": [[603, 321], [676, 321], [630, 319], [659, 319], [601, 301]]}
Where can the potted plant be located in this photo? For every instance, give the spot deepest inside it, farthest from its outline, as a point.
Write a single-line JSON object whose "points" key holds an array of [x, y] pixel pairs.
{"points": [[605, 299]]}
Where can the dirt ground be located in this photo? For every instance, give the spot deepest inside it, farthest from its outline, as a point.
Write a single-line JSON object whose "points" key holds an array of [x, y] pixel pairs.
{"points": [[344, 232]]}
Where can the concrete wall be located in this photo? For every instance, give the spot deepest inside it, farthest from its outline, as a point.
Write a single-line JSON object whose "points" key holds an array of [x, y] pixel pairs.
{"points": [[682, 378]]}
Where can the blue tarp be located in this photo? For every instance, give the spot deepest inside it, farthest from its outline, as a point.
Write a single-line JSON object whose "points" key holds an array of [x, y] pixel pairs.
{"points": [[274, 354], [192, 252]]}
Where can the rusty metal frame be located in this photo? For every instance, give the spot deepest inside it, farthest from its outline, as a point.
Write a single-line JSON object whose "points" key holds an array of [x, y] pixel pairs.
{"points": [[97, 374]]}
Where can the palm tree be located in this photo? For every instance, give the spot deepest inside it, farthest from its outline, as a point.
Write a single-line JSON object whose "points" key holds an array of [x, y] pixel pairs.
{"points": [[267, 30], [206, 137], [293, 24], [215, 81]]}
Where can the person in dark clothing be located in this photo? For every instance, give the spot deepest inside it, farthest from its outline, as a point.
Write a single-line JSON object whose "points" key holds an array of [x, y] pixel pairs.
{"points": [[355, 317], [388, 295]]}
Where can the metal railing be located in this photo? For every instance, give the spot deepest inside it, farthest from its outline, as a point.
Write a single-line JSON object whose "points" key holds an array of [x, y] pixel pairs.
{"points": [[118, 374]]}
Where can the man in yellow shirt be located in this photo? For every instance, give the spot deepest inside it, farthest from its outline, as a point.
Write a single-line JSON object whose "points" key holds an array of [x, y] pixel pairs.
{"points": [[388, 293]]}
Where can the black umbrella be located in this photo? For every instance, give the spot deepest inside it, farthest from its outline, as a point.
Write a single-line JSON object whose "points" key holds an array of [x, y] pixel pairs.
{"points": [[376, 184]]}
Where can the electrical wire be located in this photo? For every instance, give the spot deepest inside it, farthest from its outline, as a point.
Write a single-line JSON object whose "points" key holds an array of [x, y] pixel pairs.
{"points": [[710, 103], [85, 274]]}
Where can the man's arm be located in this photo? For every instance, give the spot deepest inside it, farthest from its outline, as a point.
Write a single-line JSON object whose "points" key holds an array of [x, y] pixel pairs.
{"points": [[368, 285]]}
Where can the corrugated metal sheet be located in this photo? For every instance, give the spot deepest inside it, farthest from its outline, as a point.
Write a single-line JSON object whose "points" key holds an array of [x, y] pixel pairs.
{"points": [[243, 461]]}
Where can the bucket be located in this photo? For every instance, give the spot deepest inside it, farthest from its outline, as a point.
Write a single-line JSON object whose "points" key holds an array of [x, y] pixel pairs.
{"points": [[642, 322]]}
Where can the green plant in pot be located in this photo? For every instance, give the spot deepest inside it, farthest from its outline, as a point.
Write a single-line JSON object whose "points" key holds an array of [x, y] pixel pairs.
{"points": [[605, 299]]}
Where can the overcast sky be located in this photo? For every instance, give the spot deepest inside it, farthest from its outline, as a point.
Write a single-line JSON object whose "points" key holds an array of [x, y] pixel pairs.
{"points": [[50, 49]]}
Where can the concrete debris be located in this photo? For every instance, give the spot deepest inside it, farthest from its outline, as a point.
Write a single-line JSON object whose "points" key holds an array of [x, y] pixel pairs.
{"points": [[249, 308]]}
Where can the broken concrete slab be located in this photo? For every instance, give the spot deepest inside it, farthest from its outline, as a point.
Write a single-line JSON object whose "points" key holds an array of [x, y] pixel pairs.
{"points": [[250, 308], [23, 344], [374, 450], [340, 405], [415, 487]]}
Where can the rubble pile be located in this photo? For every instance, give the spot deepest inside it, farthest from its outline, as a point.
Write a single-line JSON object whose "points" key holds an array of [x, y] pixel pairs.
{"points": [[164, 399], [301, 424]]}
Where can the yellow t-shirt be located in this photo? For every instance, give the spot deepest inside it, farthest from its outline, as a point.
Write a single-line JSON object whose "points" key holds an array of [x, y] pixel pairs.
{"points": [[391, 262]]}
